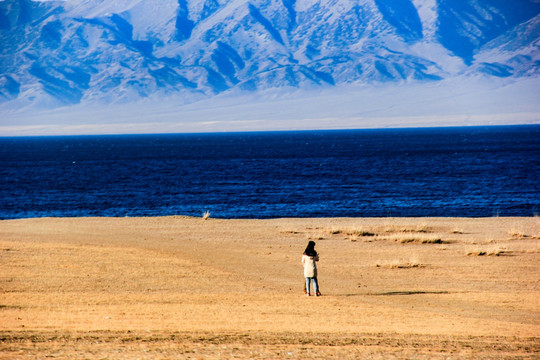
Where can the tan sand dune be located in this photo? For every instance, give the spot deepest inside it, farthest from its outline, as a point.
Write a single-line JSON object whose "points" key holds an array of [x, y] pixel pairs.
{"points": [[178, 287]]}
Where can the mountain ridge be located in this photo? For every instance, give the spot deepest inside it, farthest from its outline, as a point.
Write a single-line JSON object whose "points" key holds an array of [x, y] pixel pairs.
{"points": [[58, 54]]}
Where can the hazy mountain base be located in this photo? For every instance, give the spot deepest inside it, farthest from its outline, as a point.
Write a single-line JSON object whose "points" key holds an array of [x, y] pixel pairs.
{"points": [[454, 102]]}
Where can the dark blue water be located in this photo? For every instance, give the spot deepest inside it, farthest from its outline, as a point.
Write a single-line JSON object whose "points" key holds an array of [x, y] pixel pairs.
{"points": [[471, 172]]}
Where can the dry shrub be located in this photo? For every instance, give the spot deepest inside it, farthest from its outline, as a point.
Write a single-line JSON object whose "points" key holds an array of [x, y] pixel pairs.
{"points": [[516, 231], [488, 251], [400, 264], [361, 233], [409, 238], [423, 241], [421, 228], [352, 231], [294, 232], [316, 236], [517, 234], [206, 215]]}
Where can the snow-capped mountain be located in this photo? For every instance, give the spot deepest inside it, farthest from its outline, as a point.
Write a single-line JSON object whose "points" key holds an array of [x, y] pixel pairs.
{"points": [[58, 53]]}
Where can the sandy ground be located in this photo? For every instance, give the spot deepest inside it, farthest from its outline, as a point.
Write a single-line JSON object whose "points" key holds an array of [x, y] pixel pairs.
{"points": [[188, 288]]}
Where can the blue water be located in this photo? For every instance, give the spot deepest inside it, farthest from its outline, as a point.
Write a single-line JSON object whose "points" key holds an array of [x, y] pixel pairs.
{"points": [[471, 172]]}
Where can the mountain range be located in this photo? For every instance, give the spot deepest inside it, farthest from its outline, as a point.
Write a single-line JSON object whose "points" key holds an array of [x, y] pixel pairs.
{"points": [[57, 54]]}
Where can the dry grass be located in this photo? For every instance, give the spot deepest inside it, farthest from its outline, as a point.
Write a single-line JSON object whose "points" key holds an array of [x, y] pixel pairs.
{"points": [[488, 251], [400, 263], [457, 231], [379, 230], [420, 228], [206, 215], [180, 287], [406, 238], [316, 236], [400, 233], [517, 232], [432, 240], [395, 230]]}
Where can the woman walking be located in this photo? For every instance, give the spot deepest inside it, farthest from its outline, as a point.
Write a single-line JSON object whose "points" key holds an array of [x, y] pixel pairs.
{"points": [[309, 259]]}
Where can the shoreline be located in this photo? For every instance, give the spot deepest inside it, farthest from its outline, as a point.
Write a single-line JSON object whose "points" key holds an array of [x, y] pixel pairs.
{"points": [[280, 217]]}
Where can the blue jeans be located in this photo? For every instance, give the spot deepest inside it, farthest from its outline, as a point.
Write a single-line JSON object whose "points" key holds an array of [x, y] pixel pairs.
{"points": [[315, 284]]}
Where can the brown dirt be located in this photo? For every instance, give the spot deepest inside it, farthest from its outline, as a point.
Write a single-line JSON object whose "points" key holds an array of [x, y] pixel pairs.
{"points": [[178, 287]]}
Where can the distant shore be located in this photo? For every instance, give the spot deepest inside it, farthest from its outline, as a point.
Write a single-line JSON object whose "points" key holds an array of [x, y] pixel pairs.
{"points": [[187, 287]]}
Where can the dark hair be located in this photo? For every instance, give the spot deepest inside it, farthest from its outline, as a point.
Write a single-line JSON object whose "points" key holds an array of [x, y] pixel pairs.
{"points": [[310, 249]]}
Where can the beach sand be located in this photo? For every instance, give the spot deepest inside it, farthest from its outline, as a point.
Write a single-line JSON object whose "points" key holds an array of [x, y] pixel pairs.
{"points": [[188, 288]]}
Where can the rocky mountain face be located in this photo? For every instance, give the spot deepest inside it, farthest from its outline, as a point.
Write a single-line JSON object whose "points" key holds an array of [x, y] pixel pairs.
{"points": [[56, 53]]}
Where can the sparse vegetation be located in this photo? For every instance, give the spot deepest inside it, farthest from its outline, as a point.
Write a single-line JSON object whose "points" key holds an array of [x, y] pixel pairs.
{"points": [[476, 253], [517, 234], [361, 233], [422, 241], [406, 238], [400, 264], [316, 236], [489, 251], [421, 234], [291, 232], [422, 228], [433, 241], [353, 232], [206, 215], [170, 288]]}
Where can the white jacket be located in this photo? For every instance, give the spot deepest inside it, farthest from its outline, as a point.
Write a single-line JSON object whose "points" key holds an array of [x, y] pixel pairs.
{"points": [[310, 268]]}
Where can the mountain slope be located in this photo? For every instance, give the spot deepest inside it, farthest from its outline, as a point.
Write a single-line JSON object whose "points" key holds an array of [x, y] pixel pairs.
{"points": [[98, 51]]}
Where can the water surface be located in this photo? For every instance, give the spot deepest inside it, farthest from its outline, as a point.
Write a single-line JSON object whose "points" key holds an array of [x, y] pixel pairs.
{"points": [[469, 171]]}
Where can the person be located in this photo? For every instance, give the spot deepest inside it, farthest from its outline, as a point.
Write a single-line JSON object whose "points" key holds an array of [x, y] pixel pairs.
{"points": [[309, 259]]}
